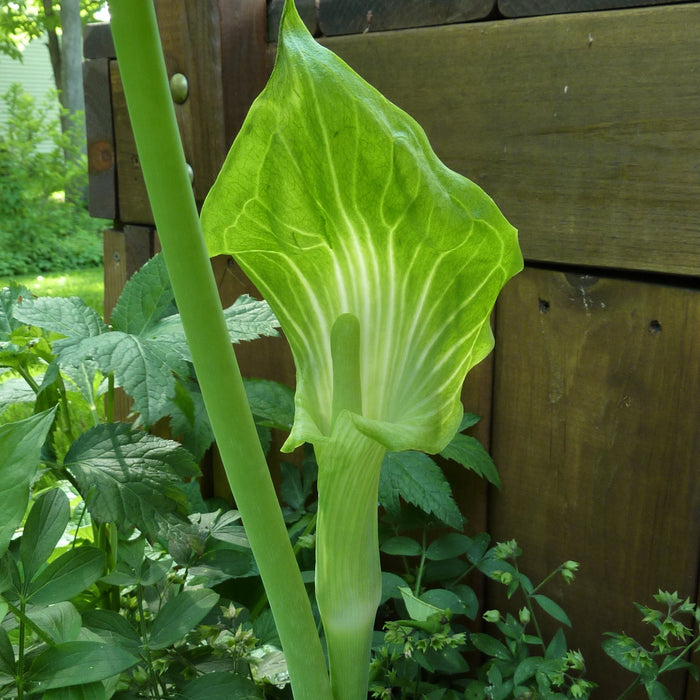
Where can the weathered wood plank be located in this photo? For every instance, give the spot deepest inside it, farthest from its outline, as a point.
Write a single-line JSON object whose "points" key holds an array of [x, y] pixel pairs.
{"points": [[191, 47], [582, 127], [358, 16], [97, 41], [243, 59], [597, 395], [99, 128], [307, 12], [529, 8]]}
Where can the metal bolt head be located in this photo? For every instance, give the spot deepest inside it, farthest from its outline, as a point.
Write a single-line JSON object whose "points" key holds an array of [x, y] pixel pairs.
{"points": [[179, 87]]}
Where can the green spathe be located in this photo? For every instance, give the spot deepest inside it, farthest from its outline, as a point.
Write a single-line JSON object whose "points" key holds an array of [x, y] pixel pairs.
{"points": [[333, 202]]}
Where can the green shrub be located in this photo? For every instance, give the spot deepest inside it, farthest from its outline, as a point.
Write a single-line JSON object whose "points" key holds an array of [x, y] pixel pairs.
{"points": [[39, 230]]}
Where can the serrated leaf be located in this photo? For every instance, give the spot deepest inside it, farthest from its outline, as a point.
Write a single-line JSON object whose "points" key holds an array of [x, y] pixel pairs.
{"points": [[271, 403], [13, 391], [145, 368], [553, 609], [130, 477], [418, 480], [147, 297], [179, 615], [470, 453], [71, 317], [20, 452], [9, 297]]}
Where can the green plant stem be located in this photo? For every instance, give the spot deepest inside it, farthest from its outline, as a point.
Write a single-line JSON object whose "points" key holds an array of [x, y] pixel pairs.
{"points": [[143, 74], [421, 565], [146, 651]]}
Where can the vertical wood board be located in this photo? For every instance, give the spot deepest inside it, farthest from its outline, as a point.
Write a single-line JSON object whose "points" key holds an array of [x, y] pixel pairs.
{"points": [[582, 127], [596, 405], [99, 129]]}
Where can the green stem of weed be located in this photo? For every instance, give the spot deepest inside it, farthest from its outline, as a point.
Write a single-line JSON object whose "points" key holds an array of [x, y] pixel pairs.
{"points": [[144, 77]]}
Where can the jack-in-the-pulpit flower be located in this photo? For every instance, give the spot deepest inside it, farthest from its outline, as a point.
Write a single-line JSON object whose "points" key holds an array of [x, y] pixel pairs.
{"points": [[382, 266]]}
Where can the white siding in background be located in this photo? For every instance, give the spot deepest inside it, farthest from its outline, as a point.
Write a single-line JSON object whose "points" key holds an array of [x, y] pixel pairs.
{"points": [[33, 73]]}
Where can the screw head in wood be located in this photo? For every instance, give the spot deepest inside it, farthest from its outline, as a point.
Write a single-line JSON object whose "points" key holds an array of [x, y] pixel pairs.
{"points": [[179, 88]]}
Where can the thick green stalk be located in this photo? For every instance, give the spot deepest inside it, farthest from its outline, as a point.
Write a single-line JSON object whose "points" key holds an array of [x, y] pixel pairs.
{"points": [[153, 120], [348, 570]]}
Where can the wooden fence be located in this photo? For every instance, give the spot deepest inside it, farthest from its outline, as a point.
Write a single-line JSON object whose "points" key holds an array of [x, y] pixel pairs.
{"points": [[585, 129]]}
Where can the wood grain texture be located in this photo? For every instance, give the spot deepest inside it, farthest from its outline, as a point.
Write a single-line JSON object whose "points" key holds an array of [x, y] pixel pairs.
{"points": [[243, 60], [97, 41], [307, 12], [582, 127], [99, 128], [191, 46], [528, 8], [358, 16], [597, 396]]}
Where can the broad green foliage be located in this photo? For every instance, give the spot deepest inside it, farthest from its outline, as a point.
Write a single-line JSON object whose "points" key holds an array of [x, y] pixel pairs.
{"points": [[20, 448], [145, 346], [333, 202]]}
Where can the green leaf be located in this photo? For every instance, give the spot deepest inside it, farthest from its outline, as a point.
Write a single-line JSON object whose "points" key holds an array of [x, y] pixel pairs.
{"points": [[333, 202], [56, 666], [20, 452], [46, 523], [401, 546], [13, 391], [552, 609], [418, 480], [448, 546], [65, 577], [418, 609], [87, 691], [179, 615], [146, 349], [526, 669], [147, 298], [7, 654], [470, 453], [657, 691], [557, 647], [220, 684], [71, 317], [271, 403], [444, 600], [490, 646], [113, 628], [62, 621], [130, 477]]}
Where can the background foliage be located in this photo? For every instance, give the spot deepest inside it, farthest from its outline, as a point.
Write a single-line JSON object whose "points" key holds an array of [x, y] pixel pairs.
{"points": [[39, 230]]}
